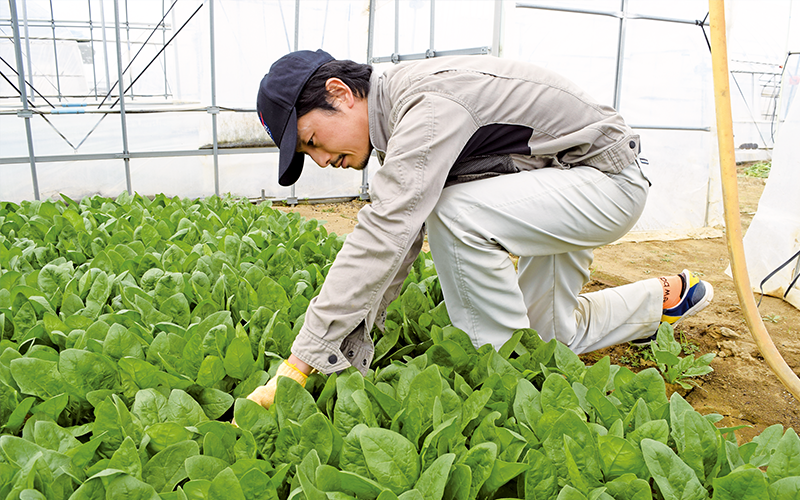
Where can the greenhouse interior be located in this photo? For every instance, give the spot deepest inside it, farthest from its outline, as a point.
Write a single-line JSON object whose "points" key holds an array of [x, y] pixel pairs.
{"points": [[154, 273]]}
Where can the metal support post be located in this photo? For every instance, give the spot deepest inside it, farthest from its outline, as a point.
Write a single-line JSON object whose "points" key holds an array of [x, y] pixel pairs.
{"points": [[498, 27], [128, 41], [214, 109], [105, 46], [164, 42], [370, 36], [371, 31], [25, 113], [125, 152], [396, 54], [91, 46], [620, 55], [431, 51], [55, 50], [28, 46], [177, 62], [292, 199]]}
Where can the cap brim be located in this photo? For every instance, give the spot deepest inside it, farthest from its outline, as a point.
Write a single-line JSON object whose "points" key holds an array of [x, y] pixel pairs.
{"points": [[290, 165]]}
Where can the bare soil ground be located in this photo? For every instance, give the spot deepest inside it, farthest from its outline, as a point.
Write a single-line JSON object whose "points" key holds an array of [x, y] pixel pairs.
{"points": [[742, 387]]}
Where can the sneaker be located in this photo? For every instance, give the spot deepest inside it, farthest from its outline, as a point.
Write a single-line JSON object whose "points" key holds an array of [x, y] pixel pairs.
{"points": [[697, 294]]}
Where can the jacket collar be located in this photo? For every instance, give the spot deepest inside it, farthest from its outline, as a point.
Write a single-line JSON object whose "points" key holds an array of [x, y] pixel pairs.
{"points": [[378, 109]]}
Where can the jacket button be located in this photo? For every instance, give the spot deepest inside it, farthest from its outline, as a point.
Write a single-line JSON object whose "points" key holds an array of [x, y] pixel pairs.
{"points": [[332, 359], [350, 353], [632, 144]]}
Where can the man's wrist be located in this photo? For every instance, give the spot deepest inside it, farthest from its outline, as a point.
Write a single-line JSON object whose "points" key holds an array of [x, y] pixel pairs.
{"points": [[299, 365]]}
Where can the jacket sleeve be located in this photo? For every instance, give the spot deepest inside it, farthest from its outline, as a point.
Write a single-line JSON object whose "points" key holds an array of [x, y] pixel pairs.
{"points": [[430, 130], [397, 283]]}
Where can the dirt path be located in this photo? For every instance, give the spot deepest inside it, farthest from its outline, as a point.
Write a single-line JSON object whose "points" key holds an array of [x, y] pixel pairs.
{"points": [[742, 388]]}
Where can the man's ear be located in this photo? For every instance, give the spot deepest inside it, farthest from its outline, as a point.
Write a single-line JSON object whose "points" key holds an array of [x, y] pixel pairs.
{"points": [[340, 93]]}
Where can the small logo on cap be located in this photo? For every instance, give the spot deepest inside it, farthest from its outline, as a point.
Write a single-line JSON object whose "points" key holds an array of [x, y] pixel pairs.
{"points": [[266, 127]]}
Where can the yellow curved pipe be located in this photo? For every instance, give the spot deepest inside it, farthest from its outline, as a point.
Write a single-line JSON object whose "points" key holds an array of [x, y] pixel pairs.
{"points": [[730, 196]]}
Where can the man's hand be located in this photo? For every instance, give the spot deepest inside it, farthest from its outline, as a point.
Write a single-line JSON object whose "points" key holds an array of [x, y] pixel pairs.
{"points": [[265, 394]]}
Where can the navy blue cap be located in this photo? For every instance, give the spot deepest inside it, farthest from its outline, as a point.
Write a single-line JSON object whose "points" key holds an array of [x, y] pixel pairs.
{"points": [[277, 96]]}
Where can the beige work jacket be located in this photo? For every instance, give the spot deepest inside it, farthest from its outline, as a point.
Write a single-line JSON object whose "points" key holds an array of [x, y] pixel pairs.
{"points": [[433, 123]]}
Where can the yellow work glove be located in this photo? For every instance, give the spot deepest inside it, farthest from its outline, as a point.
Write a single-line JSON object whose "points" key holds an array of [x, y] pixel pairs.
{"points": [[265, 395]]}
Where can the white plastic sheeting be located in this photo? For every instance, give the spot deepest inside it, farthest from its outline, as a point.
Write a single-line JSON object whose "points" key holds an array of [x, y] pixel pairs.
{"points": [[664, 90], [774, 234]]}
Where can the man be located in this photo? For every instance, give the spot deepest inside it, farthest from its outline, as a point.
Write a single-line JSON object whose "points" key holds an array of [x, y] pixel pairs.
{"points": [[493, 157]]}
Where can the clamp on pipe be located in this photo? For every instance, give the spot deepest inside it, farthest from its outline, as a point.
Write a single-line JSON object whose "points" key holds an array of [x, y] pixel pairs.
{"points": [[730, 196]]}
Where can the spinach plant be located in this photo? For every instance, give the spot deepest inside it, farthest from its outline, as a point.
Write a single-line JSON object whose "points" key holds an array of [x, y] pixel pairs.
{"points": [[132, 330], [676, 369]]}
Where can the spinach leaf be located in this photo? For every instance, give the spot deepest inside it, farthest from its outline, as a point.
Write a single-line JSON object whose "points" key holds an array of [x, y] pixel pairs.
{"points": [[390, 458]]}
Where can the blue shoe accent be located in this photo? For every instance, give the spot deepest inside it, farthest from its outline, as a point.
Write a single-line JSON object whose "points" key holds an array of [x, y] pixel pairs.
{"points": [[697, 294]]}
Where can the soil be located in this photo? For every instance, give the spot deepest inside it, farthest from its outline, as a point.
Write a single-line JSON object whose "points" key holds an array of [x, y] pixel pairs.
{"points": [[742, 388]]}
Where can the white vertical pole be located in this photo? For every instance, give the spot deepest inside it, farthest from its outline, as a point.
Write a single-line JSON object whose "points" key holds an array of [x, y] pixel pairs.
{"points": [[214, 110], [620, 55], [25, 113], [125, 152]]}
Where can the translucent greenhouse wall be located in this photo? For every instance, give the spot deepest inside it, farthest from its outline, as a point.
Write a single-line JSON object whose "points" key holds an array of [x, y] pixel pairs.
{"points": [[659, 77], [774, 233]]}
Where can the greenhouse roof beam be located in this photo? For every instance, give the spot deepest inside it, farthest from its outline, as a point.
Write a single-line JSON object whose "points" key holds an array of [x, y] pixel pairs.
{"points": [[135, 155], [616, 14], [430, 53]]}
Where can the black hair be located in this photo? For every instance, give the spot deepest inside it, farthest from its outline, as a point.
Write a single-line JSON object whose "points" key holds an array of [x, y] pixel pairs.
{"points": [[315, 96]]}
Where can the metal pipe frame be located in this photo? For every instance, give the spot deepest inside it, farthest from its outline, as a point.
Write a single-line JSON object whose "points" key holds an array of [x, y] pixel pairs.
{"points": [[497, 30], [397, 31], [118, 44], [433, 24], [28, 47], [128, 43], [164, 55], [292, 199], [26, 114], [364, 195], [214, 110], [105, 44], [126, 155], [620, 54], [398, 58], [45, 23], [623, 15], [617, 14], [135, 155], [91, 46], [670, 127], [55, 50]]}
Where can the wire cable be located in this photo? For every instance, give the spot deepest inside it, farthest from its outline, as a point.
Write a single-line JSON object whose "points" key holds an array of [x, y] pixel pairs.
{"points": [[139, 52], [34, 106], [27, 83], [142, 72], [744, 99]]}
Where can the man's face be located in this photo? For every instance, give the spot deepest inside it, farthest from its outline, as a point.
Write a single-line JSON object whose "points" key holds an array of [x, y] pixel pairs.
{"points": [[337, 138]]}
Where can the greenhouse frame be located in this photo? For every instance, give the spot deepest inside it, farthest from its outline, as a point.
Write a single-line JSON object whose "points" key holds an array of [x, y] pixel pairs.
{"points": [[648, 60]]}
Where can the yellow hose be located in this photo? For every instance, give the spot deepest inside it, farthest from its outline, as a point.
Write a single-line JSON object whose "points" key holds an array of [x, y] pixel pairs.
{"points": [[730, 196]]}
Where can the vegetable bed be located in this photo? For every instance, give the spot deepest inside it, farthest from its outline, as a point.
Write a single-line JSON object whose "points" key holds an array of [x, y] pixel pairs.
{"points": [[133, 329]]}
